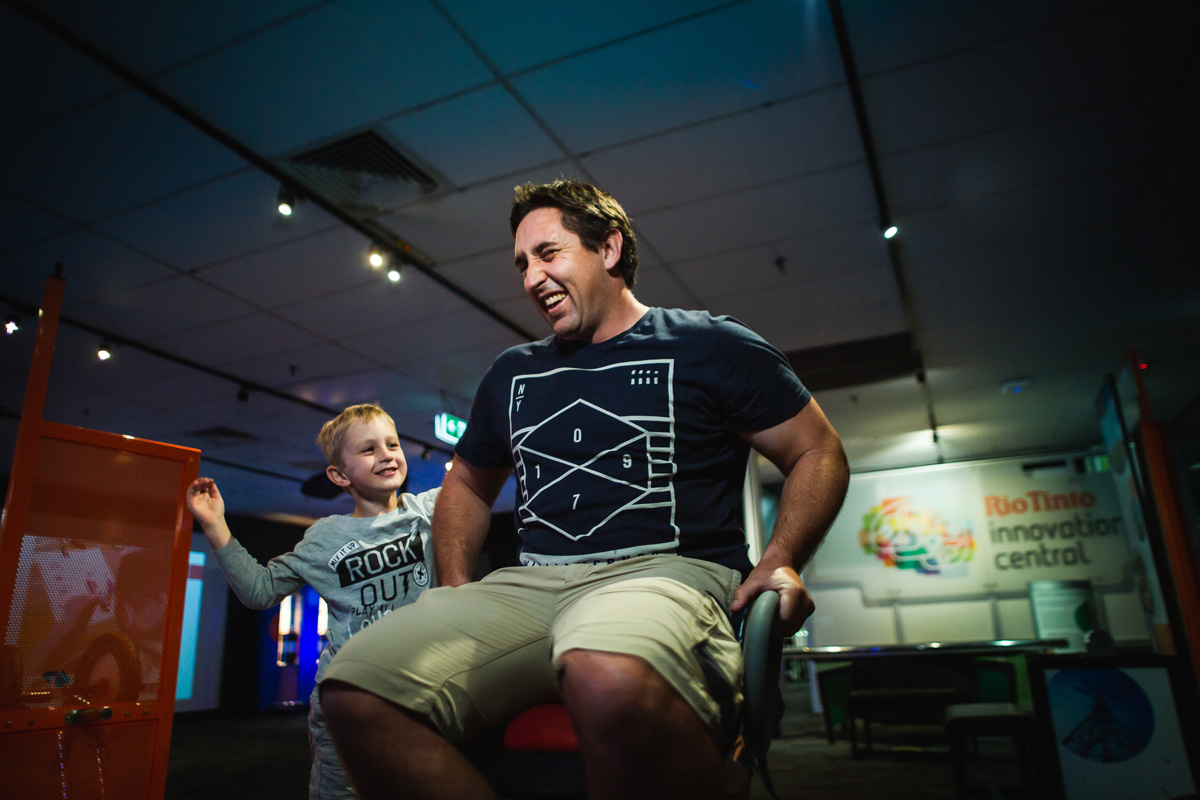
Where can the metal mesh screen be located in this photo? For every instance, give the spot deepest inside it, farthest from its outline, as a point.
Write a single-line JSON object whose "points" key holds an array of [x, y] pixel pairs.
{"points": [[88, 615], [95, 762]]}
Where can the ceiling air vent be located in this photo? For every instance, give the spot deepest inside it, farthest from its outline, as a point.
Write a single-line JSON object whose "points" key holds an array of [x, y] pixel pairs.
{"points": [[221, 435], [363, 174]]}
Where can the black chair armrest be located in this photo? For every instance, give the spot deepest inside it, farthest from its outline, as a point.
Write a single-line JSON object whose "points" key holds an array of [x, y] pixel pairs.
{"points": [[763, 654]]}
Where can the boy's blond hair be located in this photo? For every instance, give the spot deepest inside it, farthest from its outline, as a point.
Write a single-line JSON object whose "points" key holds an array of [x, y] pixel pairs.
{"points": [[333, 433]]}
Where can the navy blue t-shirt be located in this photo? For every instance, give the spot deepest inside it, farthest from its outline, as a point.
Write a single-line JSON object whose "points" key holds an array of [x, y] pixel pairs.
{"points": [[628, 447]]}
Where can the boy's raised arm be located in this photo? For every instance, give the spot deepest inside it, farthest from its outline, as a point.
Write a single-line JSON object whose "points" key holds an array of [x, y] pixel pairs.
{"points": [[205, 502]]}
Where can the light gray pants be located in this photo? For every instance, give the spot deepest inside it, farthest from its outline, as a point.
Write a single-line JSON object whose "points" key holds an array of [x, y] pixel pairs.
{"points": [[328, 780]]}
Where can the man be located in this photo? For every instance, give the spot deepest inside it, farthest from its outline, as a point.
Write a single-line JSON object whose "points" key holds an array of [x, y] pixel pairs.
{"points": [[629, 431]]}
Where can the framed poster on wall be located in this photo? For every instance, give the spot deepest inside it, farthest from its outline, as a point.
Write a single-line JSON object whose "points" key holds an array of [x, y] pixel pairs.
{"points": [[1111, 727]]}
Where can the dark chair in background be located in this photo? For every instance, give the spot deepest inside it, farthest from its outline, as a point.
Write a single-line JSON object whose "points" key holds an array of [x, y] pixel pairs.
{"points": [[833, 688], [965, 722], [918, 690]]}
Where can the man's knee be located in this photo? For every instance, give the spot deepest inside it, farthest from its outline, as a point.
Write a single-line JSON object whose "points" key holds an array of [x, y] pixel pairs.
{"points": [[344, 704], [615, 686]]}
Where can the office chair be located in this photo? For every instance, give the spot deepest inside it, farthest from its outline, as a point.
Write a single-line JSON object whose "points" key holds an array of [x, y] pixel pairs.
{"points": [[539, 756]]}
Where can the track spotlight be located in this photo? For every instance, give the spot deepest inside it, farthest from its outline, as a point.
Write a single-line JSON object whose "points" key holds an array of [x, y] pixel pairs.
{"points": [[104, 351], [287, 201], [394, 275], [890, 231], [12, 324], [243, 394], [375, 257]]}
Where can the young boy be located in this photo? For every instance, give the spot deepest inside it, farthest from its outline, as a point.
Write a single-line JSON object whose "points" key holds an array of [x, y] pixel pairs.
{"points": [[363, 565]]}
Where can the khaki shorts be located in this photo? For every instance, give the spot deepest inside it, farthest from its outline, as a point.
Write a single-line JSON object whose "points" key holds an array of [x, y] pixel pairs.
{"points": [[470, 657]]}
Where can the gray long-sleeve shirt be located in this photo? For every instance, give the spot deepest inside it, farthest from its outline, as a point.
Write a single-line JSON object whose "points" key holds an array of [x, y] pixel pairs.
{"points": [[363, 567]]}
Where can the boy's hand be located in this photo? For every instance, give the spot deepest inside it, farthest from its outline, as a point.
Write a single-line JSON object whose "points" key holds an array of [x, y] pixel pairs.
{"points": [[204, 501]]}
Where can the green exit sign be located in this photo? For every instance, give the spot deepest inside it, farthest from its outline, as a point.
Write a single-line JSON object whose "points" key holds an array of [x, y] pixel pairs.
{"points": [[448, 427]]}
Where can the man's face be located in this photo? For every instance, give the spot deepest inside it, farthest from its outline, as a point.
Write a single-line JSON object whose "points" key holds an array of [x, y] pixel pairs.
{"points": [[372, 459], [568, 283]]}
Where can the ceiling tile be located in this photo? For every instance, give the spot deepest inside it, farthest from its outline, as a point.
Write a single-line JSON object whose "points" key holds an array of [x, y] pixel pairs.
{"points": [[287, 368], [362, 387], [148, 36], [659, 286], [414, 339], [763, 144], [477, 136], [377, 308], [160, 309], [1110, 135], [763, 214], [216, 221], [505, 33], [1049, 72], [489, 276], [125, 376], [56, 76], [1090, 203], [133, 148], [459, 375], [245, 337], [22, 224], [851, 250], [792, 320], [522, 311], [330, 261], [468, 222], [93, 267], [890, 35], [340, 68], [733, 59]]}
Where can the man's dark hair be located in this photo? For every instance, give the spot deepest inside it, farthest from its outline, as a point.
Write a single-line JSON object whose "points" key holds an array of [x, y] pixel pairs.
{"points": [[587, 212]]}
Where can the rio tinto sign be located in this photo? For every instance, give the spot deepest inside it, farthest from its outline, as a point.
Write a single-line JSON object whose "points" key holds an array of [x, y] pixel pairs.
{"points": [[973, 529]]}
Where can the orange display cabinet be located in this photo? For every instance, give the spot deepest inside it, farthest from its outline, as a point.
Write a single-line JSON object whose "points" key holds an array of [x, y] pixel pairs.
{"points": [[93, 568]]}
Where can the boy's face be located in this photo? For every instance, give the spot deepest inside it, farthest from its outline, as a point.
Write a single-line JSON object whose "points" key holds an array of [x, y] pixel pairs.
{"points": [[372, 461]]}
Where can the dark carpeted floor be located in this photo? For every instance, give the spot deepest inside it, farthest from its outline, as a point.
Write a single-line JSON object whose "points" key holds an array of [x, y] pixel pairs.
{"points": [[266, 758]]}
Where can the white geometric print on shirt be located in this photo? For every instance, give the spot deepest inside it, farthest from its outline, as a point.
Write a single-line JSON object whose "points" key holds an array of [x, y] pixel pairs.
{"points": [[593, 446]]}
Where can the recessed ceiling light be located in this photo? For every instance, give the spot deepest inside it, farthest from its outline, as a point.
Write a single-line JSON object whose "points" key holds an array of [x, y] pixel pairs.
{"points": [[286, 202]]}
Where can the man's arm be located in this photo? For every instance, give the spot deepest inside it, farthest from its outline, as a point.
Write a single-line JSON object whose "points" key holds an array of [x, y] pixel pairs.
{"points": [[461, 519], [807, 450]]}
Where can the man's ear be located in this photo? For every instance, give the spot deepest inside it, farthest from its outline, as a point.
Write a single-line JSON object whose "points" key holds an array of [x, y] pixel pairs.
{"points": [[610, 249], [336, 476]]}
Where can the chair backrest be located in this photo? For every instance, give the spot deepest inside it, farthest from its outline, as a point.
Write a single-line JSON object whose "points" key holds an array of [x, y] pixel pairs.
{"points": [[763, 654]]}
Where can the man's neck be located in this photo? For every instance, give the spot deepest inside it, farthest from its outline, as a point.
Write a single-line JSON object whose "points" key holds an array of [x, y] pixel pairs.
{"points": [[624, 314]]}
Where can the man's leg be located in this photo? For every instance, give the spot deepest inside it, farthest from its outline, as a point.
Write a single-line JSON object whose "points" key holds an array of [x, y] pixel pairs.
{"points": [[639, 737], [388, 750], [401, 693]]}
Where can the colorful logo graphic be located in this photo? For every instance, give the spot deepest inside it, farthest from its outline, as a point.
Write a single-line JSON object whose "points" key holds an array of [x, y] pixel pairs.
{"points": [[904, 538]]}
